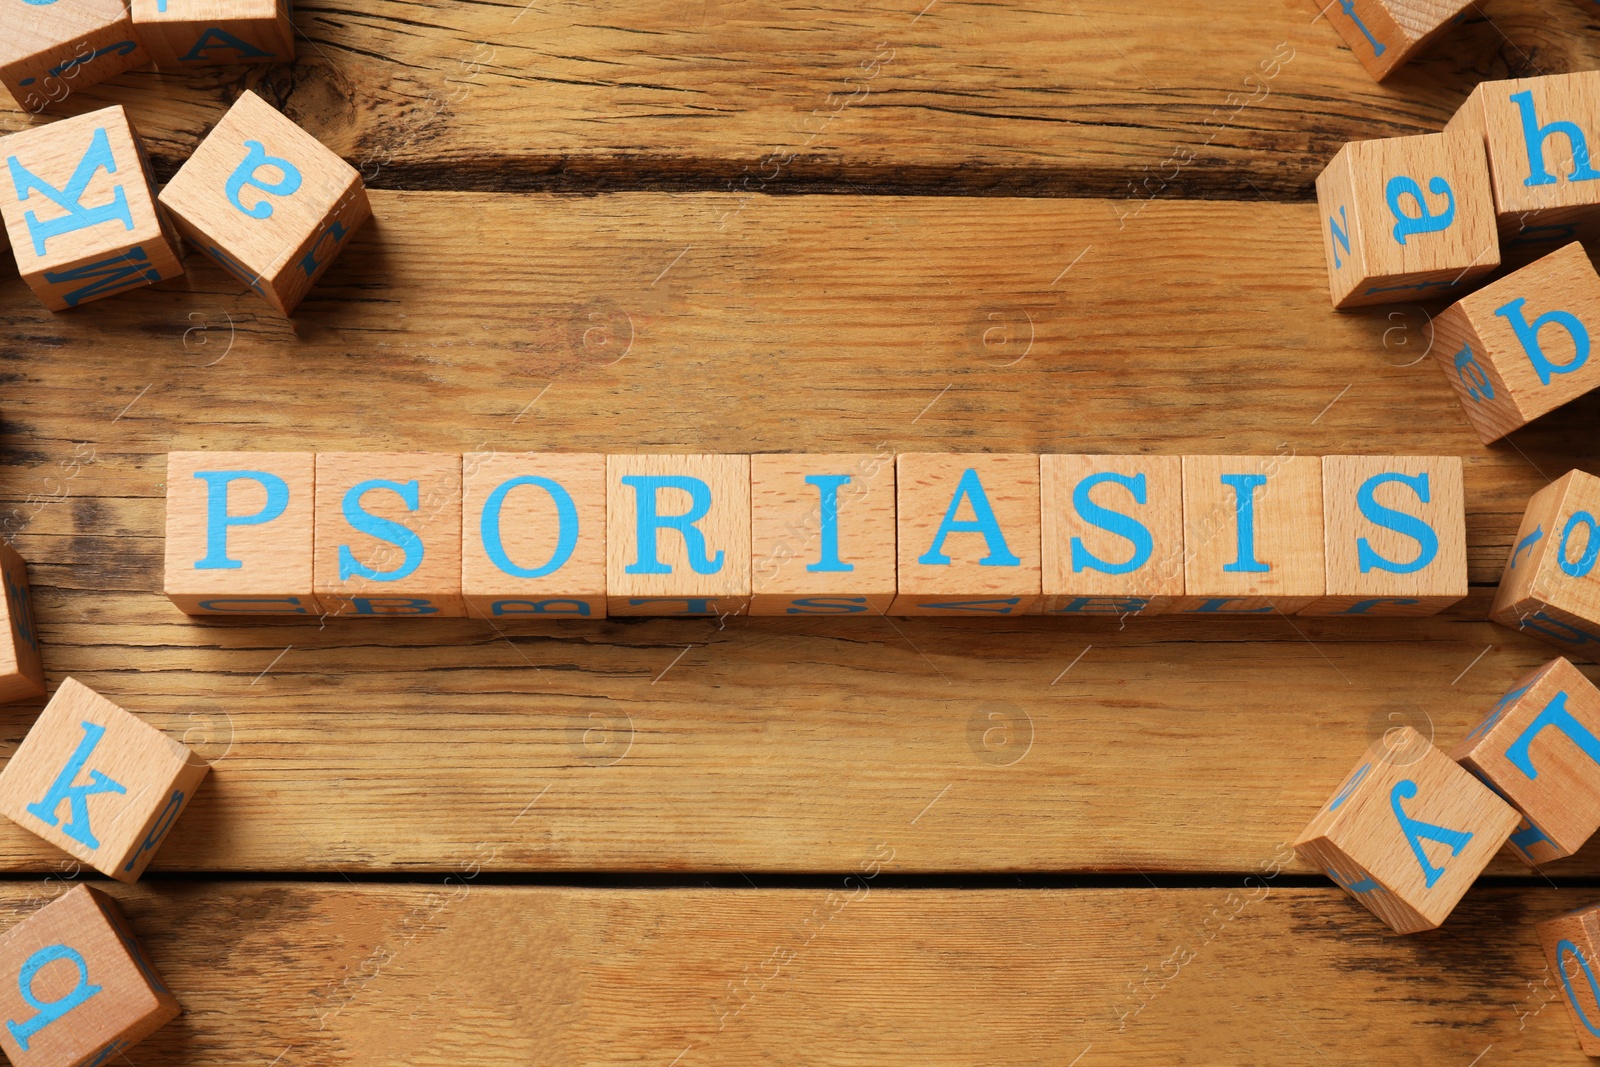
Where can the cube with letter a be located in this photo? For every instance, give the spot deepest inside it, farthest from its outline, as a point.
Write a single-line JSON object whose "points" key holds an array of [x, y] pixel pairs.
{"points": [[239, 532], [822, 534], [267, 201], [76, 987], [1572, 945], [533, 535], [51, 50], [388, 534], [1408, 832], [1386, 34], [80, 210], [21, 671], [208, 33], [1112, 534], [1396, 535], [678, 535], [1550, 588]]}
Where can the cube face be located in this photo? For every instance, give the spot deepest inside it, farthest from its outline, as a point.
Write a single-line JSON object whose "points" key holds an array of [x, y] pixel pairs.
{"points": [[1539, 749], [1407, 218], [98, 782], [1550, 588], [1385, 34], [1572, 945], [822, 534], [968, 534], [1395, 535], [1253, 534], [76, 987], [1521, 346], [388, 534], [1407, 832], [678, 535], [50, 50], [80, 210], [202, 33], [21, 672], [533, 535], [267, 201], [1112, 533], [239, 532]]}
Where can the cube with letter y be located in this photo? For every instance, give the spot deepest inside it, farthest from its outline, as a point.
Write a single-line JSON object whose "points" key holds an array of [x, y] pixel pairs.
{"points": [[1550, 588], [1112, 534], [678, 535], [1572, 945], [206, 33], [51, 49]]}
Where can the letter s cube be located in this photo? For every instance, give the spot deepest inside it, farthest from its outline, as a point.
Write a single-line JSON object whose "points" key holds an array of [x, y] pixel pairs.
{"points": [[1550, 588], [1572, 945]]}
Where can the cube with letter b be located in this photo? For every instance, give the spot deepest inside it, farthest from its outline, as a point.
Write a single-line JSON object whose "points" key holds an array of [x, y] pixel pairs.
{"points": [[1112, 534], [52, 49], [678, 535], [1385, 34], [208, 33], [1572, 945], [21, 671], [1550, 588]]}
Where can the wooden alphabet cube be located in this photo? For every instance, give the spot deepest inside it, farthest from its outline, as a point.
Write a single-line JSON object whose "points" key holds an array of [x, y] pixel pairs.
{"points": [[968, 533], [1252, 535], [80, 210], [239, 532], [533, 535], [1572, 945], [21, 672], [209, 33], [51, 49], [678, 535], [1395, 535], [99, 782], [1539, 749], [1407, 218], [76, 987], [266, 200], [1386, 34], [822, 529], [1408, 832], [388, 534], [1521, 346], [1550, 588], [1112, 534]]}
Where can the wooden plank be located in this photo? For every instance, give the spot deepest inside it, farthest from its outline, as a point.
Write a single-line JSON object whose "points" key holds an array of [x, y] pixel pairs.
{"points": [[798, 324], [1058, 97]]}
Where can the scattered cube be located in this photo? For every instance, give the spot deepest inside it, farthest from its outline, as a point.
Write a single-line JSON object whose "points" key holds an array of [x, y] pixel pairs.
{"points": [[1408, 832], [98, 782], [21, 672], [1112, 534], [51, 49], [1572, 945], [1550, 588], [678, 535], [76, 987], [80, 210], [1407, 218], [209, 33], [267, 201], [1386, 34]]}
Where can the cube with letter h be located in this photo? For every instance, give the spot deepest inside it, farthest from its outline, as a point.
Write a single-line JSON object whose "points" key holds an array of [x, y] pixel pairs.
{"points": [[678, 535], [1408, 832], [1252, 533], [1550, 588], [76, 987], [1572, 945], [267, 201], [81, 212], [1407, 218], [1111, 534], [1385, 34], [50, 49], [21, 671], [99, 782], [208, 33]]}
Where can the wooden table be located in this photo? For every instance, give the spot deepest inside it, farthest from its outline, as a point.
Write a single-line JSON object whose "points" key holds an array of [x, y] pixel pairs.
{"points": [[734, 227]]}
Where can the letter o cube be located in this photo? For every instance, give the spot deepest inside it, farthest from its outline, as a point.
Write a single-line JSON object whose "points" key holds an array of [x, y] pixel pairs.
{"points": [[1550, 588], [1572, 945]]}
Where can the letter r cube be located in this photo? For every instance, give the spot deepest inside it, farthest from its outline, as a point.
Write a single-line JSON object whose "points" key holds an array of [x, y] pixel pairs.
{"points": [[678, 535]]}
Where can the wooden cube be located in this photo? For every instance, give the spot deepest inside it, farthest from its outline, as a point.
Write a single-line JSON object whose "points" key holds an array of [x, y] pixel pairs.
{"points": [[822, 534], [1395, 535], [21, 672], [1572, 945], [678, 535], [533, 535], [388, 534], [99, 782], [1252, 533], [1386, 34], [267, 201], [1520, 346], [239, 532], [1550, 588], [1112, 534], [1408, 832], [1407, 218], [76, 987], [209, 33], [80, 210], [1539, 749], [52, 49]]}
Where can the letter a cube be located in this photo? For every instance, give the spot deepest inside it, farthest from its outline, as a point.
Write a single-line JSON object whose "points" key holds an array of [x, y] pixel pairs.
{"points": [[81, 212], [1572, 945], [1386, 34], [99, 782], [1407, 218], [267, 201], [21, 673], [1408, 832], [1522, 346], [208, 33], [1550, 588], [50, 50], [76, 987], [678, 535]]}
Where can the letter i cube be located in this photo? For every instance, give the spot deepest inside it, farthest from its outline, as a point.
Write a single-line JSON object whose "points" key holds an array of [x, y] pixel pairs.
{"points": [[1572, 945], [678, 535], [76, 987], [1407, 218], [208, 33], [1408, 832], [98, 782], [52, 49], [1539, 749], [21, 673], [1386, 34], [267, 201], [80, 210], [1550, 588], [1112, 534]]}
